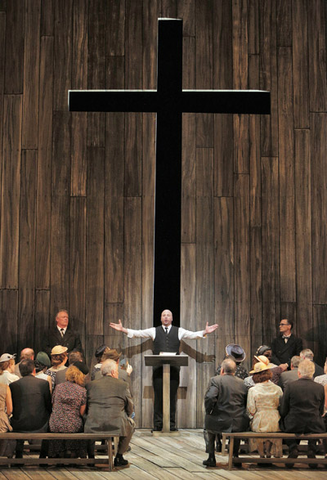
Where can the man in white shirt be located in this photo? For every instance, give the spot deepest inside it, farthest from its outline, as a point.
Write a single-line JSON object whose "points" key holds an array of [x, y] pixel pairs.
{"points": [[166, 338]]}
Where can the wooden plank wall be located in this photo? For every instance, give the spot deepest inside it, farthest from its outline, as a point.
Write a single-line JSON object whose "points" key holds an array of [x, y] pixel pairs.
{"points": [[77, 190]]}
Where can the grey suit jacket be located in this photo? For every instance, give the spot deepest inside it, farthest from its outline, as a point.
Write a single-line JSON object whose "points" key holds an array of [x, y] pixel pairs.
{"points": [[225, 405], [109, 406]]}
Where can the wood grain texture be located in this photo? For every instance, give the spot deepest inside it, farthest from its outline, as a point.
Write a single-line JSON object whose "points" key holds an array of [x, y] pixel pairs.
{"points": [[222, 45], [47, 18], [317, 55], [31, 74], [43, 199], [14, 49], [26, 277], [63, 41], [95, 242], [318, 191], [300, 64], [9, 311], [285, 10], [10, 191], [188, 179], [286, 177]]}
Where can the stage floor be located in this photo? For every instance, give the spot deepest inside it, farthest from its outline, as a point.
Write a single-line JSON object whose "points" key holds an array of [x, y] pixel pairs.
{"points": [[166, 458]]}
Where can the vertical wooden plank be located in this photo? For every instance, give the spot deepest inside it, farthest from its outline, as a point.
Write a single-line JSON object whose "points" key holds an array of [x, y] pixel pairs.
{"points": [[133, 45], [133, 154], [47, 18], [61, 147], [303, 219], [10, 191], [147, 262], [268, 76], [31, 74], [240, 81], [132, 284], [79, 81], [97, 19], [286, 177], [241, 250], [114, 207], [186, 413], [26, 276], [224, 261], [43, 199], [77, 265], [300, 63], [253, 27], [169, 8], [203, 69], [151, 10], [2, 70], [319, 206], [270, 248], [186, 11], [188, 179], [204, 272], [317, 55], [63, 11], [284, 22], [95, 242], [9, 312], [41, 318], [116, 28], [14, 63], [60, 254]]}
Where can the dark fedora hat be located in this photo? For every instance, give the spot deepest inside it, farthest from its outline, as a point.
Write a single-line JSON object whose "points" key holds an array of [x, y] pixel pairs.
{"points": [[236, 351]]}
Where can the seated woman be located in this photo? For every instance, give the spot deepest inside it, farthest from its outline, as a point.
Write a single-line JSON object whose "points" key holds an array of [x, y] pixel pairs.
{"points": [[7, 368], [59, 359], [68, 408], [42, 363], [7, 447], [262, 407]]}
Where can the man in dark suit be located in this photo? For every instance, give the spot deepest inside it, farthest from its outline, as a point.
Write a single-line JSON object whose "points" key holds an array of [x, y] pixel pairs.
{"points": [[302, 408], [110, 405], [290, 375], [225, 405], [62, 334], [31, 404], [286, 345]]}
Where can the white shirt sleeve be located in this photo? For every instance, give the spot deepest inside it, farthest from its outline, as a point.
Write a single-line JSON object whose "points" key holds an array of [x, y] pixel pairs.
{"points": [[187, 334], [146, 333]]}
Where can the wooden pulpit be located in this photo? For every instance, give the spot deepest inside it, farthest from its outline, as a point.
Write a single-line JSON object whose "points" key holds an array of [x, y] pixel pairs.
{"points": [[166, 361]]}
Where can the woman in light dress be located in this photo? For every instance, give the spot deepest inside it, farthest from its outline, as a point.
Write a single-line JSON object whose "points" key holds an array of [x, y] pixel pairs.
{"points": [[262, 406], [7, 369]]}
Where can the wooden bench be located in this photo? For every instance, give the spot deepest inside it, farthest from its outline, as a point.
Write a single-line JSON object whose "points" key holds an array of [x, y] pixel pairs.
{"points": [[110, 438], [286, 436]]}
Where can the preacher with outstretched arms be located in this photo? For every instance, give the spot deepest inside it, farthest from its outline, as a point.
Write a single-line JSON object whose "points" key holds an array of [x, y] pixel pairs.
{"points": [[166, 338]]}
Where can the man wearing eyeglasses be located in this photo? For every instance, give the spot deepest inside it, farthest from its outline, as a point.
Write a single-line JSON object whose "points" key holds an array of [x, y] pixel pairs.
{"points": [[286, 345]]}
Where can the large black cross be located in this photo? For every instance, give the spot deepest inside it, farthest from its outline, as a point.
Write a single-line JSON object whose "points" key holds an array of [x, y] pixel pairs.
{"points": [[169, 101]]}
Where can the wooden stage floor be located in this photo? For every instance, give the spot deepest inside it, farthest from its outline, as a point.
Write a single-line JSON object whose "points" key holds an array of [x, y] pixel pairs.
{"points": [[165, 458]]}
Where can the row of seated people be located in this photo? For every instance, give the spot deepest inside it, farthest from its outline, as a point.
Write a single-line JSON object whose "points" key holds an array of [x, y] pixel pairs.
{"points": [[47, 396], [260, 404]]}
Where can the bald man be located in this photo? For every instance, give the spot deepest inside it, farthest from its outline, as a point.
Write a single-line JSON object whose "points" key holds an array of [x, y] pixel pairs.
{"points": [[25, 354], [166, 338]]}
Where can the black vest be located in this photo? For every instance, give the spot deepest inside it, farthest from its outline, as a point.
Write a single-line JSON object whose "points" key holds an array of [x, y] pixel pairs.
{"points": [[164, 342]]}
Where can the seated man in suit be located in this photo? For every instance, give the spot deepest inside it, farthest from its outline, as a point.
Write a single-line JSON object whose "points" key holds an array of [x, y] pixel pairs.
{"points": [[286, 345], [225, 405], [62, 334], [307, 353], [31, 404], [109, 407], [302, 408], [290, 375]]}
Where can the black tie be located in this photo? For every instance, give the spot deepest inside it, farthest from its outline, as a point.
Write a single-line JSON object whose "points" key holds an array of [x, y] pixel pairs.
{"points": [[166, 330], [62, 331]]}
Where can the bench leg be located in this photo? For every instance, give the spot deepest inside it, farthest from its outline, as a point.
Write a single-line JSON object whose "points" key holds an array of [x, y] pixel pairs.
{"points": [[110, 456], [231, 453]]}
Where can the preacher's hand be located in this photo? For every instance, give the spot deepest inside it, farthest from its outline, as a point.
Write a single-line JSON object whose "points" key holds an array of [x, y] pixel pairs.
{"points": [[210, 328], [118, 326]]}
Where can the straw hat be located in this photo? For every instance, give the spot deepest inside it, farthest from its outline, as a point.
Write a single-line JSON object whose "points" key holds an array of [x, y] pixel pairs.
{"points": [[262, 365], [6, 356], [58, 349]]}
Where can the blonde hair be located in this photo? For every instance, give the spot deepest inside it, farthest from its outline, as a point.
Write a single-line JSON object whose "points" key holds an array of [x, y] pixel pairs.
{"points": [[306, 368], [74, 375], [5, 365]]}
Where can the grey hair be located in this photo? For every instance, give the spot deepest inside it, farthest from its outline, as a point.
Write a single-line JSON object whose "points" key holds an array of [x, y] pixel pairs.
{"points": [[307, 368], [307, 353], [108, 366], [295, 361]]}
